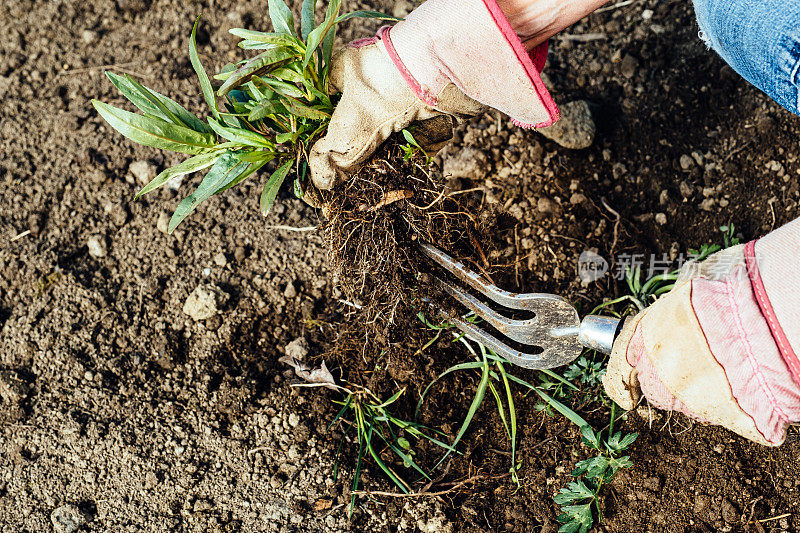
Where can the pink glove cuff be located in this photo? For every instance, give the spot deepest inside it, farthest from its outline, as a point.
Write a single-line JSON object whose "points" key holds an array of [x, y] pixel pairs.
{"points": [[471, 44], [742, 342]]}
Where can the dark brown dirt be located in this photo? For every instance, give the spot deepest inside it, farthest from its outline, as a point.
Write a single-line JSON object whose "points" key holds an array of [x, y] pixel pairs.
{"points": [[114, 401]]}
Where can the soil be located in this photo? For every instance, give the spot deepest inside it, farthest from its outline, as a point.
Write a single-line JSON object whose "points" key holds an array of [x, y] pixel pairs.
{"points": [[121, 412]]}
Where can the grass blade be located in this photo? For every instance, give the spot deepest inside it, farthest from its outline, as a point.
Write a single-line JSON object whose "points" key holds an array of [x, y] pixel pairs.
{"points": [[278, 39], [193, 164], [155, 132], [461, 366], [205, 83], [281, 16], [225, 170], [270, 191]]}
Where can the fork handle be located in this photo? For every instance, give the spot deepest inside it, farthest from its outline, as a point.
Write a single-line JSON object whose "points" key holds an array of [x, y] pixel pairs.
{"points": [[598, 332]]}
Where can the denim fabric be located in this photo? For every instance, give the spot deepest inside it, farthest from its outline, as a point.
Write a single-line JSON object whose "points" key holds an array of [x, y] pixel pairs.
{"points": [[760, 39]]}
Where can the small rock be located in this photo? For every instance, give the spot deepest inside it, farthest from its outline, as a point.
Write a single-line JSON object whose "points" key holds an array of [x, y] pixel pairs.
{"points": [[707, 204], [469, 163], [663, 198], [402, 8], [294, 419], [116, 212], [685, 189], [661, 219], [220, 259], [162, 223], [97, 176], [67, 519], [577, 199], [729, 512], [97, 246], [545, 205], [201, 505], [686, 162], [297, 349], [701, 503], [290, 292], [133, 6], [576, 129], [205, 301], [143, 171], [89, 36], [239, 253], [628, 66]]}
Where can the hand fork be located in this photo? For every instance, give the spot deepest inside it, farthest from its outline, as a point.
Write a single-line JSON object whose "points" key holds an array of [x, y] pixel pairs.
{"points": [[555, 334]]}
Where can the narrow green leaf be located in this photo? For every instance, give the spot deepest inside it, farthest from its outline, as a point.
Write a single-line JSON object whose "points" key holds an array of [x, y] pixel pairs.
{"points": [[279, 39], [270, 191], [368, 15], [193, 164], [284, 89], [226, 169], [288, 74], [267, 60], [155, 132], [307, 21], [281, 16], [301, 110], [153, 103], [319, 33], [252, 169], [240, 135], [205, 83], [264, 108]]}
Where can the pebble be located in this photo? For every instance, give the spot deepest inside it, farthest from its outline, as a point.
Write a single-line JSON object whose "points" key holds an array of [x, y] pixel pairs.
{"points": [[97, 246], [239, 253], [545, 205], [707, 204], [661, 219], [576, 129], [686, 162], [220, 260], [729, 512], [577, 199], [201, 505], [143, 171], [290, 292], [297, 349], [89, 36], [162, 223], [116, 212], [628, 66], [67, 519], [468, 163], [205, 301], [685, 189], [133, 6]]}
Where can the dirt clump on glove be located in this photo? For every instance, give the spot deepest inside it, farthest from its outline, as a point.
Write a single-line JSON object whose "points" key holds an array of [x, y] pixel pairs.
{"points": [[375, 220]]}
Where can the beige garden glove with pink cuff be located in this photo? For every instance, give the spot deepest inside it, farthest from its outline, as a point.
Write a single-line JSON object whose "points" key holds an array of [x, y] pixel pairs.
{"points": [[452, 57], [722, 346]]}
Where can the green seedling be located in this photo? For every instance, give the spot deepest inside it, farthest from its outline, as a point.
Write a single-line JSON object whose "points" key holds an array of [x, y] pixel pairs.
{"points": [[376, 431], [412, 148], [269, 108], [580, 499]]}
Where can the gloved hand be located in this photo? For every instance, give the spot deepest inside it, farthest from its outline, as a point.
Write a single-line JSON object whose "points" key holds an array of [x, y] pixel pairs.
{"points": [[452, 57], [722, 346]]}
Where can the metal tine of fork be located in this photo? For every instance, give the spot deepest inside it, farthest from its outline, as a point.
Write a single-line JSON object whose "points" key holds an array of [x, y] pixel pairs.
{"points": [[553, 330]]}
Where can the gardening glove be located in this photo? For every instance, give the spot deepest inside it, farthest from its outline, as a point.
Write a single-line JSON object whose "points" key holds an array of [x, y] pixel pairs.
{"points": [[451, 57], [722, 345]]}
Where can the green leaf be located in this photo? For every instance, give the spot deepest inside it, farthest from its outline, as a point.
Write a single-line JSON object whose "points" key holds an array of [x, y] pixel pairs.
{"points": [[225, 170], [575, 491], [193, 164], [287, 74], [264, 108], [278, 39], [281, 16], [578, 518], [269, 59], [288, 137], [240, 135], [319, 33], [270, 191], [155, 132], [307, 21], [205, 83], [301, 110], [153, 103], [252, 169], [284, 89], [368, 15]]}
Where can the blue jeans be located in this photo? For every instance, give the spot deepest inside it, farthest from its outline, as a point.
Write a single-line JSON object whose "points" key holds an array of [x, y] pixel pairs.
{"points": [[760, 39]]}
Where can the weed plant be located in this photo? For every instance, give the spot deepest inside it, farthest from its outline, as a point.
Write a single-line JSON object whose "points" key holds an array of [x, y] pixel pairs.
{"points": [[271, 107]]}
